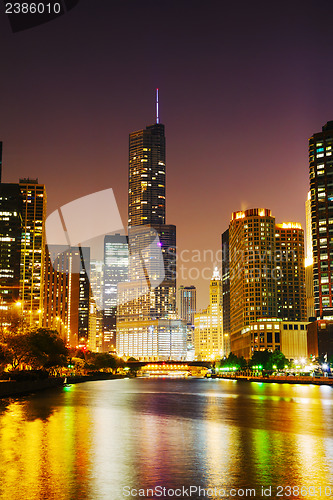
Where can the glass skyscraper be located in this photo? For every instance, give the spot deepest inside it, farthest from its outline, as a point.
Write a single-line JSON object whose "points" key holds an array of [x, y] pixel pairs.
{"points": [[33, 248], [146, 194], [115, 272], [11, 207], [146, 310], [321, 186]]}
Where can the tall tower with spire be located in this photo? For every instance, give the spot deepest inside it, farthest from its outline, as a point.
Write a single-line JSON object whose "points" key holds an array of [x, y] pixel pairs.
{"points": [[146, 313], [146, 191]]}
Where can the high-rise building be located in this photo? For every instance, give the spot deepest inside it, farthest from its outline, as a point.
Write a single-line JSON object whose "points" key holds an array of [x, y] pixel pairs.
{"points": [[146, 194], [152, 260], [187, 307], [267, 277], [187, 304], [209, 340], [11, 207], [146, 307], [33, 249], [96, 305], [253, 290], [0, 161], [321, 186], [67, 293], [226, 282], [290, 271], [115, 272], [310, 312]]}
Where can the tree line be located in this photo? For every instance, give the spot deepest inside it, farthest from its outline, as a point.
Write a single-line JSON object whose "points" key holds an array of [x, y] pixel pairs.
{"points": [[44, 349]]}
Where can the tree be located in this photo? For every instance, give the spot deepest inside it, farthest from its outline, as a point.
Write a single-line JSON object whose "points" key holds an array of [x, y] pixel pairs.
{"points": [[268, 359], [262, 358], [279, 360], [17, 348], [47, 349], [3, 354], [232, 361]]}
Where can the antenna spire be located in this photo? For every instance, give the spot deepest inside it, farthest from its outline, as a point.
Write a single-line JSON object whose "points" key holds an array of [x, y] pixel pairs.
{"points": [[157, 117]]}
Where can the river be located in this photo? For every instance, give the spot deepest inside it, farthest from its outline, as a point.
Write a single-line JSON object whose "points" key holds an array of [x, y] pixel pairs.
{"points": [[116, 439]]}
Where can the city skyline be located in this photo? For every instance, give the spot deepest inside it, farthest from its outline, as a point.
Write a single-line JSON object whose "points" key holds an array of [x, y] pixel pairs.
{"points": [[239, 112]]}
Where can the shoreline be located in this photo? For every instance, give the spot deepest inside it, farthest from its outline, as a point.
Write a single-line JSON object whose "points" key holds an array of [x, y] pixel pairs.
{"points": [[279, 380], [12, 388]]}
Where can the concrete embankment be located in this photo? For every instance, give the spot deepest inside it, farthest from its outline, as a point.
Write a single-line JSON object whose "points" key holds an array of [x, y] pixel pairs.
{"points": [[76, 379], [282, 380], [13, 388]]}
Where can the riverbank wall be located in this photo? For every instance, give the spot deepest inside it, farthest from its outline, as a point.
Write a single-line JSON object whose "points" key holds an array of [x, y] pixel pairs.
{"points": [[280, 380], [10, 388], [13, 388]]}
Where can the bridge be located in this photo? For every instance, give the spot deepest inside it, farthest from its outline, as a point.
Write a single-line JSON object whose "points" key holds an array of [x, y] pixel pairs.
{"points": [[168, 368]]}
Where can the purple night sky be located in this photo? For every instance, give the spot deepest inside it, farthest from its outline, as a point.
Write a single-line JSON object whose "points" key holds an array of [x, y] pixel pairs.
{"points": [[242, 88]]}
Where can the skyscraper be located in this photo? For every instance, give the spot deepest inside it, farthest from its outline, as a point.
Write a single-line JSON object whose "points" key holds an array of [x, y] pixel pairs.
{"points": [[96, 305], [67, 292], [146, 311], [226, 282], [115, 272], [146, 193], [310, 312], [253, 291], [267, 278], [33, 248], [11, 207], [187, 307], [321, 186], [0, 161], [187, 304], [290, 271]]}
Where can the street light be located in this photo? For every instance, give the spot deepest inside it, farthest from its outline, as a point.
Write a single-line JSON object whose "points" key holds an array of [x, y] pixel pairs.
{"points": [[19, 305]]}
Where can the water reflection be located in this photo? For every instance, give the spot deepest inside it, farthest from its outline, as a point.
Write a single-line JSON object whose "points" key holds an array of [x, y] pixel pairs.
{"points": [[91, 440]]}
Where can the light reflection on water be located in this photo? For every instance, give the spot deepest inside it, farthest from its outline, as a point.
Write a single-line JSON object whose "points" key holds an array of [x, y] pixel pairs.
{"points": [[91, 440]]}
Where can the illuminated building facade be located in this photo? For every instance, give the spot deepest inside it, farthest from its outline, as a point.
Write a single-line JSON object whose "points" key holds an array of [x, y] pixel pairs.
{"points": [[310, 312], [95, 336], [115, 272], [226, 282], [289, 337], [153, 340], [146, 194], [67, 293], [0, 161], [11, 207], [152, 260], [209, 340], [290, 271], [321, 187], [33, 249], [253, 287], [267, 277], [150, 295], [187, 304]]}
